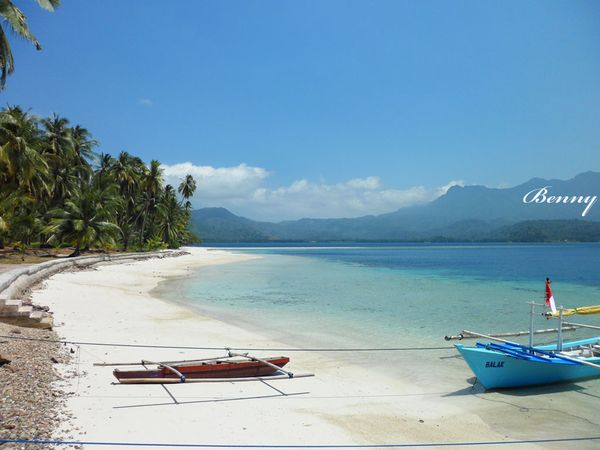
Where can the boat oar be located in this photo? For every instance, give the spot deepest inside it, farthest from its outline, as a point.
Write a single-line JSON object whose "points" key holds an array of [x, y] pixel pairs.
{"points": [[267, 363]]}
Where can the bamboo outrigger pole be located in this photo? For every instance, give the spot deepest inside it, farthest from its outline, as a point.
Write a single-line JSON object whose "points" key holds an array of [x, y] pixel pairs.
{"points": [[172, 369], [467, 334], [252, 358], [144, 362], [582, 325]]}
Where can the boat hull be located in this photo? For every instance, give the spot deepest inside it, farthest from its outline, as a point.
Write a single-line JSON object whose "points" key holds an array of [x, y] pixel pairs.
{"points": [[210, 369], [499, 370]]}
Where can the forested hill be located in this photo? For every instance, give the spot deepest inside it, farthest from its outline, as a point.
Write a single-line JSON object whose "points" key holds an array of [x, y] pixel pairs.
{"points": [[471, 213]]}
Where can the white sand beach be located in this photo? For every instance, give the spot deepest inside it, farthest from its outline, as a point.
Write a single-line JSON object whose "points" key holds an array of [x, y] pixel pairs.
{"points": [[344, 403]]}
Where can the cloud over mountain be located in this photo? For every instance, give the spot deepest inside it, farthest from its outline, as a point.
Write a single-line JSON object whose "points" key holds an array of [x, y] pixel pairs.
{"points": [[244, 190]]}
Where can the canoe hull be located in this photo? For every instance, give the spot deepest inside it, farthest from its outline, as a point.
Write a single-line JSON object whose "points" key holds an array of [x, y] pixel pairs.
{"points": [[498, 370], [210, 369]]}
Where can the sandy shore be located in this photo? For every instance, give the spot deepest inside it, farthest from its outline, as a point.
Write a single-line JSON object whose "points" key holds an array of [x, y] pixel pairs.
{"points": [[344, 404]]}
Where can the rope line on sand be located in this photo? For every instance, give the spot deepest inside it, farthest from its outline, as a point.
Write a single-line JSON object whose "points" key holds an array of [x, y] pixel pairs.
{"points": [[407, 445], [179, 347]]}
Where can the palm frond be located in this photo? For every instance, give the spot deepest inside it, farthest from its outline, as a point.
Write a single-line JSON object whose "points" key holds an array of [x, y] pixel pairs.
{"points": [[7, 65], [17, 21], [48, 5]]}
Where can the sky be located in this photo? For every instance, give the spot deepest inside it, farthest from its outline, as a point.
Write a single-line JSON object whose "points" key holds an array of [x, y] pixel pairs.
{"points": [[288, 109]]}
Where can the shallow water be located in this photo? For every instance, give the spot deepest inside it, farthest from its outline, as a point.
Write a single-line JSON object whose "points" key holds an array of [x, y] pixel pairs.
{"points": [[396, 295], [411, 296]]}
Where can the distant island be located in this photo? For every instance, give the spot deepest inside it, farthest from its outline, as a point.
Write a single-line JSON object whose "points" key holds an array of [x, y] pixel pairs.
{"points": [[463, 214]]}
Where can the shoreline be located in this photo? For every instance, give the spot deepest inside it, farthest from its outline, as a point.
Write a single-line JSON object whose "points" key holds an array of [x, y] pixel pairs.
{"points": [[344, 404]]}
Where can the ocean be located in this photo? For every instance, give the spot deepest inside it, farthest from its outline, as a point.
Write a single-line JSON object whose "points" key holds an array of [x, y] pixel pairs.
{"points": [[391, 295], [410, 296]]}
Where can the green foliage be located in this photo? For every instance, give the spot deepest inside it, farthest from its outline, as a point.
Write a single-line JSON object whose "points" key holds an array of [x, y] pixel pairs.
{"points": [[55, 189], [15, 20], [155, 244]]}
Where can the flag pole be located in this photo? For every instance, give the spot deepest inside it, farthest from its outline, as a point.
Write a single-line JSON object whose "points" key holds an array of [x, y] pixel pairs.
{"points": [[531, 312], [559, 344]]}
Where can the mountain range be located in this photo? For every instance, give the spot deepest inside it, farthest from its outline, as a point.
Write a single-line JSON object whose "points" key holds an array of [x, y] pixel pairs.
{"points": [[463, 213]]}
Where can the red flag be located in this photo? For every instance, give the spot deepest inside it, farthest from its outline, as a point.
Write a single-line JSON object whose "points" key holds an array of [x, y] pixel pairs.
{"points": [[549, 296]]}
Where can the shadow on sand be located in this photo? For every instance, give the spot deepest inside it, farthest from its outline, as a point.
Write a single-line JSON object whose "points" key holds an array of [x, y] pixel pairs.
{"points": [[476, 388]]}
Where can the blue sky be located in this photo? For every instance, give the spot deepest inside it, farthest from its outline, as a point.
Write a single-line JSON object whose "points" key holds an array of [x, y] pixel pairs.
{"points": [[285, 109]]}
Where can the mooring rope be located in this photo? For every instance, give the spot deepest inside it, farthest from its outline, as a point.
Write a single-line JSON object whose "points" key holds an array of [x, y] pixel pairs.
{"points": [[280, 349], [402, 445]]}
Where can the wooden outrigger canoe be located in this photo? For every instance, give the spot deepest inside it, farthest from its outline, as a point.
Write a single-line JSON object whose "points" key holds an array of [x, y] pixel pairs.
{"points": [[234, 367], [216, 368]]}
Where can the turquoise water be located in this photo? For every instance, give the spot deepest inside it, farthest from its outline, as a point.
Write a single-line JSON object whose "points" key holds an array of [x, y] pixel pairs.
{"points": [[409, 296], [394, 295]]}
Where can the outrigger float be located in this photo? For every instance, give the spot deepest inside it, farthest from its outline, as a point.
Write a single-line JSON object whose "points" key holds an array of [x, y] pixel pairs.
{"points": [[506, 364], [233, 367]]}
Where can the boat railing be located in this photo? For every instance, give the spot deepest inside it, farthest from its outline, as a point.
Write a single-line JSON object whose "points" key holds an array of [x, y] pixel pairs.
{"points": [[559, 328]]}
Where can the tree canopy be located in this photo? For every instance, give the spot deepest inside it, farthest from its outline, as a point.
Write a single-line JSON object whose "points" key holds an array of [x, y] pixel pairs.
{"points": [[55, 190]]}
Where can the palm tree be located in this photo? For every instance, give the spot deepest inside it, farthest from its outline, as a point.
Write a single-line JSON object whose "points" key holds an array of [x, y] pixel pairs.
{"points": [[151, 185], [85, 219], [24, 166], [126, 172], [59, 151], [83, 146], [58, 137], [169, 217], [187, 187], [17, 22], [173, 216]]}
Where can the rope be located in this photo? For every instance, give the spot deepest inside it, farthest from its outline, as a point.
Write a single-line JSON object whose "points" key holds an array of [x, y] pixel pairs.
{"points": [[174, 347], [433, 444]]}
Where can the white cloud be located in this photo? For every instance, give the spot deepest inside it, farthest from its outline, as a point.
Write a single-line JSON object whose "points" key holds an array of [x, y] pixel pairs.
{"points": [[242, 190], [443, 189], [145, 102], [216, 184]]}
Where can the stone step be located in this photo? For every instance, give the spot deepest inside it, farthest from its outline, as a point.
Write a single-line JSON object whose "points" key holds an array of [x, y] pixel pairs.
{"points": [[46, 323], [25, 310], [13, 302], [10, 307], [38, 315], [13, 311], [38, 321]]}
